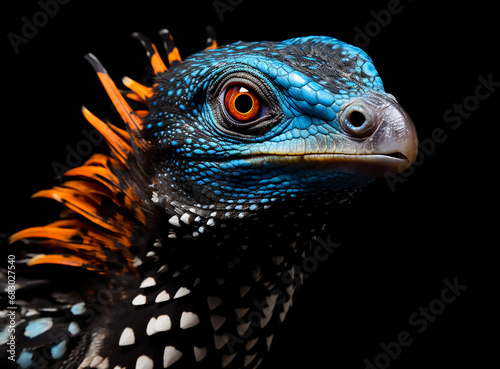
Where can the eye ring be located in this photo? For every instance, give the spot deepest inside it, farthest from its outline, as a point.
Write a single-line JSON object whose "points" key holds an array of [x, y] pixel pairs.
{"points": [[242, 104]]}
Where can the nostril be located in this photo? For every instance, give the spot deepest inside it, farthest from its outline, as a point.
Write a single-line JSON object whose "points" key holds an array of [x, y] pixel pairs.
{"points": [[356, 118]]}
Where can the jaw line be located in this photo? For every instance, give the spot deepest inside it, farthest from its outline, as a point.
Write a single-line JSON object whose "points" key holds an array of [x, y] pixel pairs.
{"points": [[369, 165]]}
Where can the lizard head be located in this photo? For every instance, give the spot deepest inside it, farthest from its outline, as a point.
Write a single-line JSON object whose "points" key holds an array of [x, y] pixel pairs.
{"points": [[239, 127]]}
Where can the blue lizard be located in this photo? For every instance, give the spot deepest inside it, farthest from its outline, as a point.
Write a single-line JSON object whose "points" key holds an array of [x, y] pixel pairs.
{"points": [[181, 246]]}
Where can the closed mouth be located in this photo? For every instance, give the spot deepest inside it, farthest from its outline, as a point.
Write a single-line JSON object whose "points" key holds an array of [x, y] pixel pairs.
{"points": [[369, 165]]}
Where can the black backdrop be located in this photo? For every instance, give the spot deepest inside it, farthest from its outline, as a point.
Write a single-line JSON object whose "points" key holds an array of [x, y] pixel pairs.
{"points": [[399, 241]]}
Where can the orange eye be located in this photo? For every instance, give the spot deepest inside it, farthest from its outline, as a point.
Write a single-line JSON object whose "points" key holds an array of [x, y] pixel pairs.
{"points": [[242, 104]]}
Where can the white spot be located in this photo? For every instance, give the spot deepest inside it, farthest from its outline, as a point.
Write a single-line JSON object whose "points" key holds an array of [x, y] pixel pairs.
{"points": [[282, 316], [244, 290], [155, 197], [241, 311], [257, 274], [170, 356], [151, 254], [226, 359], [151, 327], [174, 221], [189, 319], [249, 359], [233, 263], [139, 300], [48, 309], [162, 296], [251, 344], [220, 341], [148, 282], [186, 218], [183, 291], [104, 364], [210, 222], [163, 323], [268, 341], [287, 304], [242, 328], [199, 353], [271, 286], [137, 262], [213, 302], [144, 362], [268, 310], [278, 259], [96, 361], [30, 312], [217, 321], [127, 337]]}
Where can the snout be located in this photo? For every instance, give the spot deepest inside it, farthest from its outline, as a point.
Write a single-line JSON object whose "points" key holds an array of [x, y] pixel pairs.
{"points": [[382, 130]]}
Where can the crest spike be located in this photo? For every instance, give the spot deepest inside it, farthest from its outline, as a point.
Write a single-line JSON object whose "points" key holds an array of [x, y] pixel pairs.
{"points": [[211, 38], [169, 44], [152, 53], [134, 122], [142, 91]]}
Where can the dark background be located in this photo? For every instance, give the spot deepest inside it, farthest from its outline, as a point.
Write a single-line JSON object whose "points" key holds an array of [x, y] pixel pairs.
{"points": [[398, 244]]}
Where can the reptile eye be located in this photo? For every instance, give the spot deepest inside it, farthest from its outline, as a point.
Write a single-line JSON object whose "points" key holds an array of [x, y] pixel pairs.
{"points": [[242, 104]]}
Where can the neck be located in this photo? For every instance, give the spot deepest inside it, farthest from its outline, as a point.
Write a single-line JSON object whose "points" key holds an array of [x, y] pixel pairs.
{"points": [[240, 284]]}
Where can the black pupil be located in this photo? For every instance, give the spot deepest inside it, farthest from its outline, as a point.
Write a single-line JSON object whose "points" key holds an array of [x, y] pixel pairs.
{"points": [[357, 119], [243, 103]]}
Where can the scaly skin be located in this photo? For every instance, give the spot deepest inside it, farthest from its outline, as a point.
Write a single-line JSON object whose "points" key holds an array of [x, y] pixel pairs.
{"points": [[184, 246]]}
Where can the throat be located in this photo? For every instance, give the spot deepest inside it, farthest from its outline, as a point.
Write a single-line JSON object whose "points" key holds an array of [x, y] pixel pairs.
{"points": [[249, 294], [246, 281], [220, 297]]}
